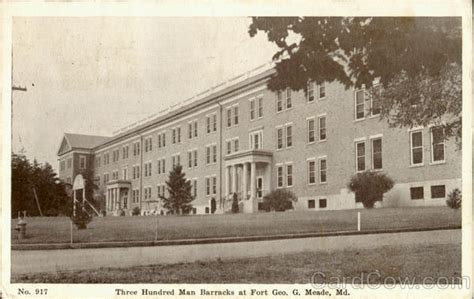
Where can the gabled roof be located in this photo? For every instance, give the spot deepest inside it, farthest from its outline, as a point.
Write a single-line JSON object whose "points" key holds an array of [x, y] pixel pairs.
{"points": [[80, 141]]}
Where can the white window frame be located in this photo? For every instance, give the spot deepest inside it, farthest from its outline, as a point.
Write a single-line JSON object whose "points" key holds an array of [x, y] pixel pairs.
{"points": [[320, 170], [308, 170], [280, 129], [412, 148], [288, 99], [252, 110], [320, 98], [251, 139], [372, 139], [309, 90], [278, 168], [279, 101], [432, 147], [356, 143], [372, 100], [320, 117], [289, 126], [287, 174], [363, 104], [236, 114], [259, 105], [309, 130]]}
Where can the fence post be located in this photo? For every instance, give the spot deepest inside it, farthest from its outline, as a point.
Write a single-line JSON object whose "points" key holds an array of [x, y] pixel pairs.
{"points": [[358, 221], [70, 221], [156, 230]]}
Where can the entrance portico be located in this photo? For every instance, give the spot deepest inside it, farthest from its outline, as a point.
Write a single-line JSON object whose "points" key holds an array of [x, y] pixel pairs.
{"points": [[242, 172], [117, 196]]}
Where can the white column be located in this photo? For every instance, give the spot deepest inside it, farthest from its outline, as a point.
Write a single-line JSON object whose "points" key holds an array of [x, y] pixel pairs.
{"points": [[253, 170], [244, 180], [226, 189], [234, 178]]}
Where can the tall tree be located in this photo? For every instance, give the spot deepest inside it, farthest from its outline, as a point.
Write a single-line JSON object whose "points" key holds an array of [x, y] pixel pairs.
{"points": [[50, 191], [417, 61], [179, 192]]}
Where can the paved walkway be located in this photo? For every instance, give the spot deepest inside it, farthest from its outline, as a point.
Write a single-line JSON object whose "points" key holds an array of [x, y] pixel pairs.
{"points": [[35, 261]]}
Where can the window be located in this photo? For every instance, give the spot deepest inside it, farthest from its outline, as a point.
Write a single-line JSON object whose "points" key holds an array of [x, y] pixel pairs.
{"points": [[360, 156], [377, 153], [147, 169], [311, 172], [195, 128], [310, 126], [214, 185], [311, 204], [438, 191], [236, 115], [416, 193], [416, 148], [208, 154], [178, 130], [214, 153], [208, 186], [375, 107], [190, 130], [136, 172], [360, 104], [288, 99], [195, 153], [279, 101], [69, 162], [125, 174], [437, 144], [322, 171], [323, 203], [190, 159], [125, 152], [289, 175], [115, 175], [158, 166], [279, 176], [214, 122], [62, 165], [260, 107], [229, 117], [208, 124], [195, 187], [106, 178], [289, 136], [279, 138], [236, 144], [322, 128], [173, 136], [256, 140], [229, 147], [136, 148], [322, 91], [82, 162], [97, 162], [310, 92], [163, 168], [252, 109]]}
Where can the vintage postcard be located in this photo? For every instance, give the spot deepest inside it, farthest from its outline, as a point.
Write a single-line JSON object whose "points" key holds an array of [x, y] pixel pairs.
{"points": [[242, 150]]}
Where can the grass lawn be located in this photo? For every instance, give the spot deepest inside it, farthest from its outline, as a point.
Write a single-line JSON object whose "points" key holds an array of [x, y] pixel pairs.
{"points": [[412, 262], [142, 228]]}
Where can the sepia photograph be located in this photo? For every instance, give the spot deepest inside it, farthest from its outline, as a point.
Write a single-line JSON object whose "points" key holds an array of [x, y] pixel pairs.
{"points": [[224, 154]]}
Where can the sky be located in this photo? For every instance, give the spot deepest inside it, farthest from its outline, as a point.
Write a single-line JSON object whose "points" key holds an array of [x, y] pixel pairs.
{"points": [[95, 75]]}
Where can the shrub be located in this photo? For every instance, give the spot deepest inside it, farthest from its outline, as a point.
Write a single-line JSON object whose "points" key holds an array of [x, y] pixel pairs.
{"points": [[454, 199], [82, 218], [235, 204], [279, 200], [370, 186], [136, 211]]}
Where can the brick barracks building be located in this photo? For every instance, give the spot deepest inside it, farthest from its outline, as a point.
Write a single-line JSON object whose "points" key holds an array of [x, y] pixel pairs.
{"points": [[242, 138]]}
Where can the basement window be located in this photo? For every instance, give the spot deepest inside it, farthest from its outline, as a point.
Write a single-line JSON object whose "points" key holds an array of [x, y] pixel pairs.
{"points": [[417, 193]]}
